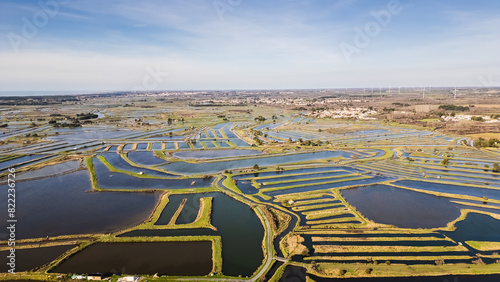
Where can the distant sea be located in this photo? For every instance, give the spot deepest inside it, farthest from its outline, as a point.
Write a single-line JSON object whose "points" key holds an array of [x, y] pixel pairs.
{"points": [[43, 93]]}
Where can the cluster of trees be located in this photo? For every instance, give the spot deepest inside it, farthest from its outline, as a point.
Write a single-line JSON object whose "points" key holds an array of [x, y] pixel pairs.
{"points": [[454, 108], [74, 121], [84, 116], [32, 135], [73, 124], [260, 119], [401, 104], [257, 133], [36, 100], [481, 142], [257, 141], [171, 120], [495, 168], [309, 142]]}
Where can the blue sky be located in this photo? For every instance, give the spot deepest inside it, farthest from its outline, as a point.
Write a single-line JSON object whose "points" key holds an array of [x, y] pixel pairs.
{"points": [[247, 44]]}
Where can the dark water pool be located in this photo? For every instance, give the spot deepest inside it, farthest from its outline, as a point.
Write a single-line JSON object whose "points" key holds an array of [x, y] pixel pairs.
{"points": [[402, 208], [63, 205], [449, 188], [476, 227], [27, 259], [165, 258], [238, 225], [246, 187], [188, 213]]}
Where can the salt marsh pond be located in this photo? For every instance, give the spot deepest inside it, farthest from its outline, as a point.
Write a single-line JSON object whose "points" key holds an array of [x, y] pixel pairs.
{"points": [[246, 198]]}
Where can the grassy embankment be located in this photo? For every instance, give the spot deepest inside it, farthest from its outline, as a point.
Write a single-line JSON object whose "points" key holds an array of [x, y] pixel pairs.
{"points": [[277, 181], [399, 270], [93, 178], [135, 174], [126, 158], [216, 247], [9, 157], [202, 220], [484, 245], [353, 177], [398, 250], [279, 220]]}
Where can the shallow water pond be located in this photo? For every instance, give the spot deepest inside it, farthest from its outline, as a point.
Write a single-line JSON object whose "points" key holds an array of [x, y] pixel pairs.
{"points": [[213, 154], [400, 207], [240, 228], [449, 188], [27, 259], [164, 258], [115, 180], [214, 167], [476, 227], [63, 205], [118, 162], [50, 170], [145, 158]]}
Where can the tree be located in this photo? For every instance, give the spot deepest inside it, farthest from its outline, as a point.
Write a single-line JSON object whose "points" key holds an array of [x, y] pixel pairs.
{"points": [[256, 167], [445, 162], [260, 118], [169, 121], [496, 167]]}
